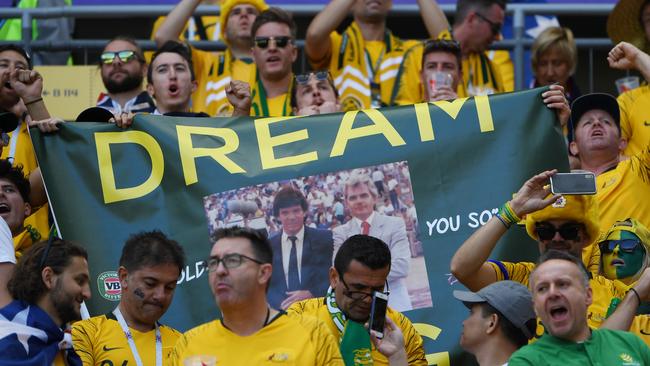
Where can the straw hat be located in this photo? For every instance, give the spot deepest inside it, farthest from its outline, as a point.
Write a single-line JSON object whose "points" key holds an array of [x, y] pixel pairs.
{"points": [[624, 24]]}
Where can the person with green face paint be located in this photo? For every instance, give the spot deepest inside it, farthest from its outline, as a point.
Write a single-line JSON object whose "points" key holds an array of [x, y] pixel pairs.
{"points": [[624, 251]]}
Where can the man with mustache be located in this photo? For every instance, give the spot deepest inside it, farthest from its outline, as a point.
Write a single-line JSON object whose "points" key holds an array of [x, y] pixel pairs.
{"points": [[131, 334], [598, 145], [250, 331], [561, 295], [123, 69], [49, 284]]}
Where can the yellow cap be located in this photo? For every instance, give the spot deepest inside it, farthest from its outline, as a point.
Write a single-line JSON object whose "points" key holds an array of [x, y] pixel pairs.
{"points": [[227, 6], [630, 225], [578, 208]]}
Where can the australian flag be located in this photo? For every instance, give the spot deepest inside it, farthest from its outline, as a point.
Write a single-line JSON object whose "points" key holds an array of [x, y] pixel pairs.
{"points": [[29, 337]]}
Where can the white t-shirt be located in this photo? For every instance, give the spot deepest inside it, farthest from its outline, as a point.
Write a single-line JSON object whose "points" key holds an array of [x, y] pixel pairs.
{"points": [[7, 253]]}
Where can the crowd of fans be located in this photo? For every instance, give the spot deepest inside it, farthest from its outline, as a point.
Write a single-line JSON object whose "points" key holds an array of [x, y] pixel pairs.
{"points": [[589, 291]]}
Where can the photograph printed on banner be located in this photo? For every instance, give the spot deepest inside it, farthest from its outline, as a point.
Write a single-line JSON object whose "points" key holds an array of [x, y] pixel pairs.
{"points": [[315, 215]]}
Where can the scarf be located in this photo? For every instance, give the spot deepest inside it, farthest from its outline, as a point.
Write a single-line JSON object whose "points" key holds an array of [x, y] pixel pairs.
{"points": [[355, 341]]}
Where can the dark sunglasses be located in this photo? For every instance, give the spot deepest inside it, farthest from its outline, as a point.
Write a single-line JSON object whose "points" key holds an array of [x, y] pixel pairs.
{"points": [[124, 56], [494, 27], [280, 42], [302, 79], [626, 245], [567, 231]]}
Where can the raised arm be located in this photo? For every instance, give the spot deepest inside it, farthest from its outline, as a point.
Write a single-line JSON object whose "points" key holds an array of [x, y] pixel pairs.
{"points": [[317, 41], [625, 312], [469, 265], [625, 56], [433, 17], [175, 22]]}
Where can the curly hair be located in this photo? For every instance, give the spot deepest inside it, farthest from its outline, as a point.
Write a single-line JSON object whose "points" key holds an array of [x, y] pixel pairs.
{"points": [[26, 283], [15, 175]]}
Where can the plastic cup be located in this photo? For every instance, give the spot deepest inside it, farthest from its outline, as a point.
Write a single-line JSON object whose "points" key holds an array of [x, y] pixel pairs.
{"points": [[437, 80], [627, 83], [200, 360]]}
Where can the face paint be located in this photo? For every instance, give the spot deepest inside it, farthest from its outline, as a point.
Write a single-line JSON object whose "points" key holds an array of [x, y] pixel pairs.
{"points": [[137, 292], [623, 265]]}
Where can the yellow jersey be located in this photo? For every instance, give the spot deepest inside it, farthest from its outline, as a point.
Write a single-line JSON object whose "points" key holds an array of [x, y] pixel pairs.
{"points": [[284, 341], [624, 192], [317, 308], [361, 68], [101, 341], [635, 119]]}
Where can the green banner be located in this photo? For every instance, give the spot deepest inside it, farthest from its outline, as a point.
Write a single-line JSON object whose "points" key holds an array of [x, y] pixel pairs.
{"points": [[446, 167]]}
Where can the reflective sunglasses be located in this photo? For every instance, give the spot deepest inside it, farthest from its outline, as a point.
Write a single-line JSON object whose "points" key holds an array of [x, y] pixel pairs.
{"points": [[280, 42], [302, 79], [626, 245], [494, 26], [124, 56], [567, 231], [229, 261]]}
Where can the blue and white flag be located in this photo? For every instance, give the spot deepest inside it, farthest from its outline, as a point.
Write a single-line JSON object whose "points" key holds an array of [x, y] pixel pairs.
{"points": [[29, 337]]}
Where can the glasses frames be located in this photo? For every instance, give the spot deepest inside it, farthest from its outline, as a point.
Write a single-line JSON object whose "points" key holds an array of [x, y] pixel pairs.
{"points": [[494, 26], [280, 42], [124, 56], [625, 245], [567, 231], [302, 79], [361, 295], [230, 261]]}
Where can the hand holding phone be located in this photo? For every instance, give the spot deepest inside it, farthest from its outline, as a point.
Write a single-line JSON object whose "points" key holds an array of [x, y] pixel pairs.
{"points": [[378, 313]]}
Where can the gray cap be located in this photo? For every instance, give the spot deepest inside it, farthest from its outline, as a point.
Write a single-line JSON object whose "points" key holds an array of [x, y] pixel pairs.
{"points": [[510, 298]]}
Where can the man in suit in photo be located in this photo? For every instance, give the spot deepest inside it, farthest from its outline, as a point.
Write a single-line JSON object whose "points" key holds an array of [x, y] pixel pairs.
{"points": [[360, 198], [301, 255]]}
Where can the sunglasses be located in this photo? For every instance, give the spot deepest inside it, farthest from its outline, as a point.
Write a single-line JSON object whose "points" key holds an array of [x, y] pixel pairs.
{"points": [[302, 79], [280, 42], [626, 245], [494, 27], [567, 231], [124, 56]]}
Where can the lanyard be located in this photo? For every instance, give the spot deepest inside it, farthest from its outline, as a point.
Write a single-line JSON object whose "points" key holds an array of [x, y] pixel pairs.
{"points": [[264, 103], [372, 71], [129, 338]]}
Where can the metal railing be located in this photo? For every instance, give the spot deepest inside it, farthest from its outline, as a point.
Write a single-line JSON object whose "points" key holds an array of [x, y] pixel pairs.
{"points": [[518, 43]]}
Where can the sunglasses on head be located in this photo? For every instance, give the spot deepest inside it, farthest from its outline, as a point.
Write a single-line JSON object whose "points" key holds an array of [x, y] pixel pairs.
{"points": [[494, 27], [124, 56], [302, 79], [567, 231], [626, 245], [280, 42]]}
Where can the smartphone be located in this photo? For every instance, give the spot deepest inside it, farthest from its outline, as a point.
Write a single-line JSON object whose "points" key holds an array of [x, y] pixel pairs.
{"points": [[573, 183], [378, 313]]}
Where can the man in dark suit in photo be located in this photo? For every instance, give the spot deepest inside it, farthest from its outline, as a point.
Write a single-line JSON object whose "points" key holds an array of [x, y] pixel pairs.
{"points": [[302, 256]]}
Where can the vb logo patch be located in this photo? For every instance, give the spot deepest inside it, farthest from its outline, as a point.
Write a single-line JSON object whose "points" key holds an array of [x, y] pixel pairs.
{"points": [[109, 286]]}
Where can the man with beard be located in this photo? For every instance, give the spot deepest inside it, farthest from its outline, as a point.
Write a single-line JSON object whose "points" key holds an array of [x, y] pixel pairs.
{"points": [[364, 59], [215, 70], [49, 284], [123, 68], [361, 268], [566, 223], [562, 293], [149, 268], [250, 332]]}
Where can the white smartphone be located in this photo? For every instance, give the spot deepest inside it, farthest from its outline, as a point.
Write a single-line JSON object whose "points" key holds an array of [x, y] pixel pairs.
{"points": [[573, 183], [378, 313]]}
